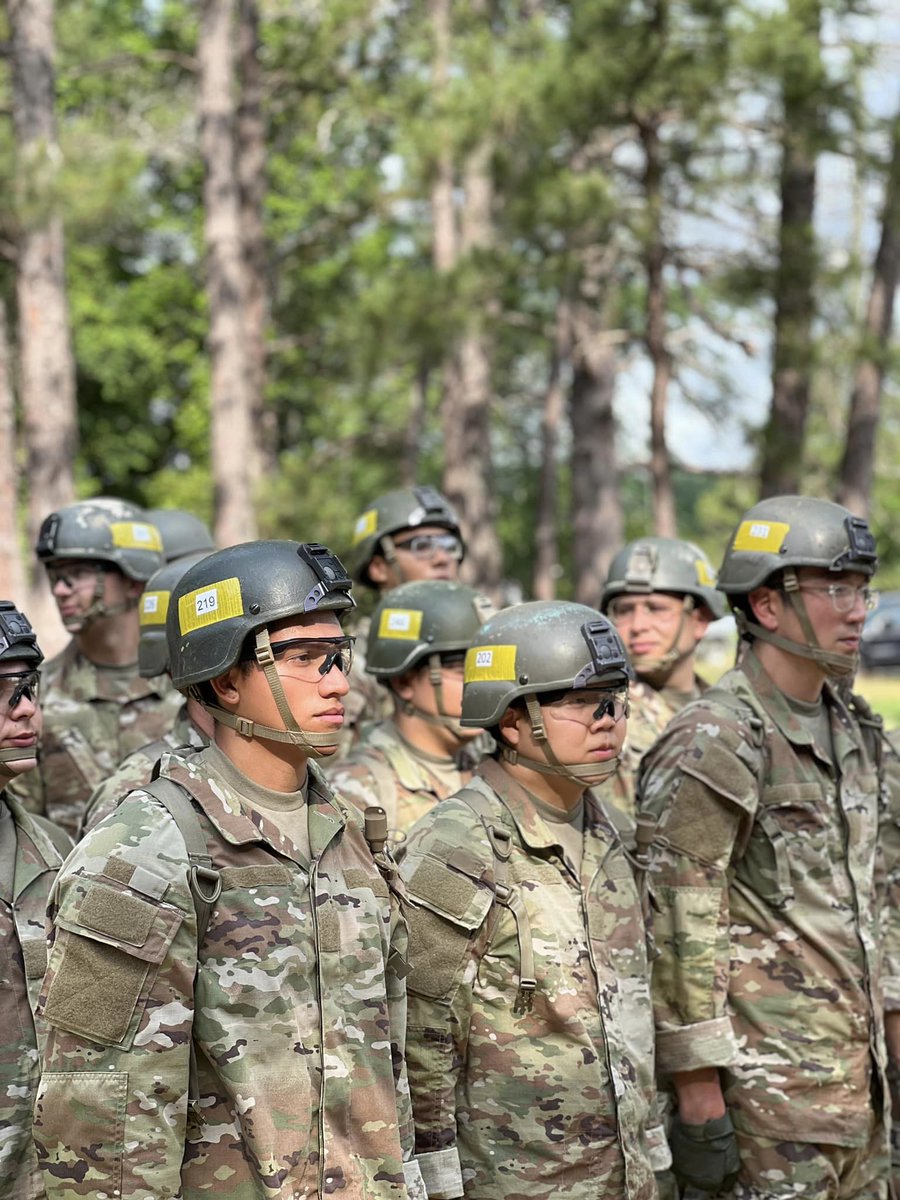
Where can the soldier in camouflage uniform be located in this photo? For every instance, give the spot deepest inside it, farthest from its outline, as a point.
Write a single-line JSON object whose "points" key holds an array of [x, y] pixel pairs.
{"points": [[404, 535], [530, 1043], [193, 725], [97, 708], [183, 534], [417, 642], [225, 985], [31, 852], [771, 880], [661, 594]]}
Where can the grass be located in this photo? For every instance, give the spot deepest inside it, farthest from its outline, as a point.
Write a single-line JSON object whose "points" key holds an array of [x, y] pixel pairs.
{"points": [[883, 692]]}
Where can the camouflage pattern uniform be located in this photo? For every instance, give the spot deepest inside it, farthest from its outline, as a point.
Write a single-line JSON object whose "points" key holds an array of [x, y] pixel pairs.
{"points": [[650, 714], [389, 771], [137, 769], [556, 1100], [767, 890], [296, 1014], [93, 718], [368, 702], [37, 856]]}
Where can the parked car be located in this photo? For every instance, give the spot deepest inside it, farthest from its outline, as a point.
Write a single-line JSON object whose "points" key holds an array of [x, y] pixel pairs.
{"points": [[880, 642]]}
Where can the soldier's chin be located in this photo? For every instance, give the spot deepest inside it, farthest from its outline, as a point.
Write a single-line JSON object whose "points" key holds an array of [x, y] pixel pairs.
{"points": [[19, 766], [74, 624]]}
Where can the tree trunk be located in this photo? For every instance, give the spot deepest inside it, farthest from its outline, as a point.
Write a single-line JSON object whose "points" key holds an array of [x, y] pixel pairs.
{"points": [[47, 366], [231, 403], [466, 409], [857, 467], [546, 532], [12, 572], [443, 217], [251, 168], [415, 427], [664, 520], [795, 307]]}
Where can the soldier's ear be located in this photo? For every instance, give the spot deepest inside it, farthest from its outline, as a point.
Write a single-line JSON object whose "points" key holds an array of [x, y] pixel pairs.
{"points": [[766, 606], [509, 726], [379, 570], [226, 686]]}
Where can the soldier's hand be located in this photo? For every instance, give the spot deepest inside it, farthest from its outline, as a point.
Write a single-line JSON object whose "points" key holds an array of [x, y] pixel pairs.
{"points": [[705, 1156]]}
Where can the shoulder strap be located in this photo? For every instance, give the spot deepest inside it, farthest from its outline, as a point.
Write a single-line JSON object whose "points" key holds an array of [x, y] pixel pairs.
{"points": [[205, 883]]}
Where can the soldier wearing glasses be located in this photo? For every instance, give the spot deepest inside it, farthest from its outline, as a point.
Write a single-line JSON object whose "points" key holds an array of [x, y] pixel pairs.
{"points": [[225, 990], [530, 1042], [31, 853], [775, 880]]}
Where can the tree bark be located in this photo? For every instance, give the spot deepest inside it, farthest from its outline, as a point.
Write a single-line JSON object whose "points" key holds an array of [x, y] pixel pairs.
{"points": [[443, 216], [251, 167], [415, 427], [12, 571], [857, 467], [795, 307], [546, 532], [231, 403], [47, 365], [664, 519]]}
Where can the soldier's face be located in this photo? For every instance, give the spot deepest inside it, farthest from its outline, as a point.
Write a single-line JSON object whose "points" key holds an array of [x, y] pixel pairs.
{"points": [[416, 686], [574, 733], [835, 631], [20, 724], [653, 625], [74, 583], [423, 552]]}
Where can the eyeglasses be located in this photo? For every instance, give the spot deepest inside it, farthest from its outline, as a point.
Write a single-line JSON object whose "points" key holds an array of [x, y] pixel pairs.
{"points": [[659, 611], [589, 706], [310, 659], [426, 545], [16, 685], [844, 596], [73, 575]]}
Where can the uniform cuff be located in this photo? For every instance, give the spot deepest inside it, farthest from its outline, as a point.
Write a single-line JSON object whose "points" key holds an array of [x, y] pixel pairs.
{"points": [[415, 1184], [890, 986], [442, 1173], [691, 1047]]}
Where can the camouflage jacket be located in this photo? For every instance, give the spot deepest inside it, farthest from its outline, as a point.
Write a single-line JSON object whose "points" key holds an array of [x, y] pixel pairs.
{"points": [[368, 702], [768, 886], [386, 770], [558, 1098], [92, 720], [650, 714], [137, 769], [40, 849], [295, 1010]]}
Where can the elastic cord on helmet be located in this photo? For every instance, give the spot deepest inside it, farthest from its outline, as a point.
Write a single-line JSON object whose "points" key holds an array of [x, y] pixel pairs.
{"points": [[832, 662], [583, 773], [292, 733]]}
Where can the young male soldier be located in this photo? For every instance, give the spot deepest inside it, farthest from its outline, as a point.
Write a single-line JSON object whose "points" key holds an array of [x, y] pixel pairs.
{"points": [[225, 987], [193, 725], [31, 852], [769, 880], [183, 534], [97, 708], [530, 1033], [403, 536], [661, 594], [416, 647]]}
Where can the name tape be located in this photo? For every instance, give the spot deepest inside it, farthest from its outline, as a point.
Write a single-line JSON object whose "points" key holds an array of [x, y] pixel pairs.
{"points": [[365, 525], [135, 535], [402, 624], [207, 605], [765, 536], [487, 664], [154, 607]]}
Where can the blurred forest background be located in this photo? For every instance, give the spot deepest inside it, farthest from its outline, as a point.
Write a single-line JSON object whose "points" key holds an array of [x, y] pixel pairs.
{"points": [[266, 258]]}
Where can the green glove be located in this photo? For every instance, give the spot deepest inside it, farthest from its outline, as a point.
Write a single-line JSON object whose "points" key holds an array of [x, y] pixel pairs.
{"points": [[705, 1156]]}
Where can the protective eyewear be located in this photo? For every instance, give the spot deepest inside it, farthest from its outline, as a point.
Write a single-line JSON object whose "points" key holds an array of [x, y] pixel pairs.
{"points": [[16, 685], [844, 596], [588, 706], [73, 575], [426, 545], [310, 659]]}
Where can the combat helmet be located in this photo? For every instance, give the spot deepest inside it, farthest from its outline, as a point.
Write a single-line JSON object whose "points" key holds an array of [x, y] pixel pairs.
{"points": [[233, 595], [153, 647], [109, 532], [780, 535], [18, 643], [659, 564], [404, 508], [534, 649], [419, 622], [182, 532]]}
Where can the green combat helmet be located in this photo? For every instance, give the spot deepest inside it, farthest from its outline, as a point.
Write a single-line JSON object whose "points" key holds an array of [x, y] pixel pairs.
{"points": [[153, 647], [182, 533], [775, 538], [18, 643], [232, 594], [533, 649], [111, 533], [418, 622], [404, 508]]}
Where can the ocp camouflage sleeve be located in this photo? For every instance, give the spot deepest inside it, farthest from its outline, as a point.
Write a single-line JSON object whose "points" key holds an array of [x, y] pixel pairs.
{"points": [[111, 1110], [889, 838]]}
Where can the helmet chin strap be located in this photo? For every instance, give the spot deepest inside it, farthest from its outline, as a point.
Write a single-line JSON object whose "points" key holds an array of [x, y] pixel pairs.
{"points": [[657, 670], [831, 662], [389, 553], [313, 743], [15, 754], [583, 773], [441, 717]]}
